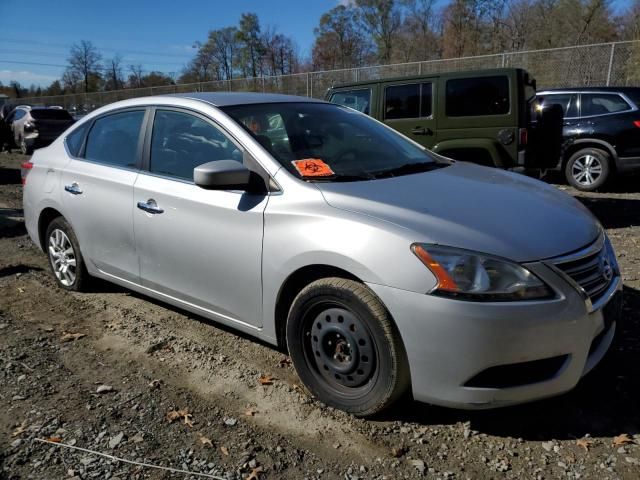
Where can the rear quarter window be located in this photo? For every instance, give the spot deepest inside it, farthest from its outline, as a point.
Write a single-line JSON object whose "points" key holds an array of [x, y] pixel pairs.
{"points": [[75, 139], [479, 96]]}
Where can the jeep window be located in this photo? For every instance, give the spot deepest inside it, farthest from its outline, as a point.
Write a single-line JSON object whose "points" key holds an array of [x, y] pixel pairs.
{"points": [[356, 99], [478, 96], [407, 101], [568, 102], [602, 103]]}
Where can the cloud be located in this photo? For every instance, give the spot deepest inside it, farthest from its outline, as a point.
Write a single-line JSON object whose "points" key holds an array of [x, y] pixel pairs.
{"points": [[346, 3], [26, 77]]}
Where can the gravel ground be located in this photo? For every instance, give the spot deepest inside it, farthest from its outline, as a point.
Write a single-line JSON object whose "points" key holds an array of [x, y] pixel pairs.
{"points": [[117, 373]]}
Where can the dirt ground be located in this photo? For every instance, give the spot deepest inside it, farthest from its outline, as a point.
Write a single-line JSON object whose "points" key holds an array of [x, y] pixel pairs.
{"points": [[157, 359]]}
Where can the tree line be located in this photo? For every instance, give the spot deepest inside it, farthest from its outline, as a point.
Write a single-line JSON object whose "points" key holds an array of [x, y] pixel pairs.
{"points": [[359, 33]]}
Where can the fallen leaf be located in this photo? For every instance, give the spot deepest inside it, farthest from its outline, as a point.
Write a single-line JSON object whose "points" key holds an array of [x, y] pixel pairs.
{"points": [[622, 439], [255, 473], [266, 379], [397, 452], [584, 443], [154, 384], [20, 289], [224, 450], [104, 389], [251, 412], [205, 441], [20, 430], [284, 362], [174, 415], [54, 439], [70, 337]]}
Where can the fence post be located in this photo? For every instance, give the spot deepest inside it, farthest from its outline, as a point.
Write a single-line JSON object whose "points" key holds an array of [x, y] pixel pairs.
{"points": [[613, 49], [310, 85], [419, 68], [504, 60]]}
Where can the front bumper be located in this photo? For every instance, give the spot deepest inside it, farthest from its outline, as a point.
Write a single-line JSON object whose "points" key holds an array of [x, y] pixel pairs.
{"points": [[449, 343]]}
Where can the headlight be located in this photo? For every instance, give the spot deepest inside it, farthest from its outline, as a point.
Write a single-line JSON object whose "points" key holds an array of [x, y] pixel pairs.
{"points": [[473, 276]]}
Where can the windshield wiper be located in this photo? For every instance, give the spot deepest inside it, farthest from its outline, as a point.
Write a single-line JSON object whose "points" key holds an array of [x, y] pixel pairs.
{"points": [[408, 168]]}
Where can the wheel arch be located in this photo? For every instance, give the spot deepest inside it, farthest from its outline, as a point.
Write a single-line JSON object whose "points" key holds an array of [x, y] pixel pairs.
{"points": [[47, 215], [583, 143], [294, 284]]}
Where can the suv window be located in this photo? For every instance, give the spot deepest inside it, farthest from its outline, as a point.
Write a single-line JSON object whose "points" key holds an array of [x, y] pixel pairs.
{"points": [[602, 103], [568, 102], [180, 142], [19, 113], [407, 101], [75, 138], [478, 96], [357, 99], [113, 140]]}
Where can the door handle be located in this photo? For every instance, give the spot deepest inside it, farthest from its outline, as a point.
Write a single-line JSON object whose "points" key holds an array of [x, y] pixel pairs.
{"points": [[421, 131], [150, 206], [74, 188]]}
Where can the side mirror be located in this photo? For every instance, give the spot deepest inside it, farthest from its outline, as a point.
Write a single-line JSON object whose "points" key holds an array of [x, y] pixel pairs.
{"points": [[222, 175]]}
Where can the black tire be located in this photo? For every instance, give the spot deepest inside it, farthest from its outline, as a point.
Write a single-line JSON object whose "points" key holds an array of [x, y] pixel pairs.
{"points": [[598, 164], [345, 347], [80, 275]]}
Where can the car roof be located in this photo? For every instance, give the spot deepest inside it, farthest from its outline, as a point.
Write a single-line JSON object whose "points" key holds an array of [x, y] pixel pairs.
{"points": [[225, 99], [591, 89]]}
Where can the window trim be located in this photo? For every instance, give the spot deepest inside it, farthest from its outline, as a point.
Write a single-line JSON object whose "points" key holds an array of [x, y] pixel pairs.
{"points": [[630, 103], [420, 84], [82, 153], [510, 88], [367, 89]]}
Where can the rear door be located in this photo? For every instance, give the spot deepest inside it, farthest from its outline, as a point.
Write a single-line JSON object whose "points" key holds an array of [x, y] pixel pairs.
{"points": [[202, 247], [408, 108], [98, 192]]}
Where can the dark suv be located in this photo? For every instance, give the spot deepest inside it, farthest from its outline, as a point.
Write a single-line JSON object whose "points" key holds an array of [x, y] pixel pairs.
{"points": [[34, 127], [601, 132], [482, 116]]}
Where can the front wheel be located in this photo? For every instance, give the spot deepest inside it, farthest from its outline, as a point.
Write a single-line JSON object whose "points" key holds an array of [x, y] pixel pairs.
{"points": [[345, 347], [588, 169]]}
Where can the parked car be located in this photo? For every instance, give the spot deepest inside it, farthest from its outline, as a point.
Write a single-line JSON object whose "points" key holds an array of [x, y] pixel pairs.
{"points": [[35, 127], [601, 133], [486, 117], [6, 139], [382, 267]]}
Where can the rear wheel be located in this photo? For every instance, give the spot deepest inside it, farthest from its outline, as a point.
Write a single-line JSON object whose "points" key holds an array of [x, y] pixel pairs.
{"points": [[588, 169], [65, 259], [345, 347]]}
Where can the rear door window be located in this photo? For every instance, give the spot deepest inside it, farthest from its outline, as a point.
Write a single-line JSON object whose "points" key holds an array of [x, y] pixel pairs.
{"points": [[180, 142], [357, 99], [602, 104], [113, 139], [568, 102], [478, 96], [412, 100]]}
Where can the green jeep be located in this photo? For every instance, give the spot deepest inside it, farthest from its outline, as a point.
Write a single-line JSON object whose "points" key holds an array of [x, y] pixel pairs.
{"points": [[487, 117]]}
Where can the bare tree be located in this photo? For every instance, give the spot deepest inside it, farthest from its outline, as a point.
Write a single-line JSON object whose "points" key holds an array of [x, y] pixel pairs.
{"points": [[84, 61], [114, 73], [135, 79]]}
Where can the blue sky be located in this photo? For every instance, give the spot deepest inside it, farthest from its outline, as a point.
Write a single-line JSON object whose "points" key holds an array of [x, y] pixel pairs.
{"points": [[156, 33]]}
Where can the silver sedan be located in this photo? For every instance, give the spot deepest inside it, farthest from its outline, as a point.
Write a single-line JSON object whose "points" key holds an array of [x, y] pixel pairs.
{"points": [[382, 267]]}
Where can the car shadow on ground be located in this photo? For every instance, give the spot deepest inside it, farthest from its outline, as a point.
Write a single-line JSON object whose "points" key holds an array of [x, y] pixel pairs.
{"points": [[613, 212], [605, 402], [9, 176]]}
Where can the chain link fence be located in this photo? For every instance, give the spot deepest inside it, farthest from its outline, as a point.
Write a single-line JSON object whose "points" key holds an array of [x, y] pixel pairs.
{"points": [[607, 64]]}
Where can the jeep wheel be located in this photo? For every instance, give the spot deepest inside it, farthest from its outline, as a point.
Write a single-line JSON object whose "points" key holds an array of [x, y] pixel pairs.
{"points": [[588, 169]]}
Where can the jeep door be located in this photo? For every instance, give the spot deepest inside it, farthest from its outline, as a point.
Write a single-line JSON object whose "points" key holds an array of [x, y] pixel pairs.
{"points": [[408, 108]]}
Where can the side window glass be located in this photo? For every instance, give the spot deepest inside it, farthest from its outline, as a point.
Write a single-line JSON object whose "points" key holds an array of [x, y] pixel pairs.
{"points": [[19, 114], [113, 140], [568, 102], [478, 96], [75, 138], [602, 103], [426, 100], [180, 142], [357, 99], [402, 101]]}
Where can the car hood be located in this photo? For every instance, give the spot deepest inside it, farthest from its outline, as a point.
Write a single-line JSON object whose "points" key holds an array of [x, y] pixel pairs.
{"points": [[476, 208]]}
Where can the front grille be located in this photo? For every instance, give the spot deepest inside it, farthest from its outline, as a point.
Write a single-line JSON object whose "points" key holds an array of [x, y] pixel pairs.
{"points": [[593, 272]]}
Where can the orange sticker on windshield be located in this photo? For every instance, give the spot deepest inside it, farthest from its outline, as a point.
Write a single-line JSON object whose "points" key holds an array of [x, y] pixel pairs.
{"points": [[312, 167]]}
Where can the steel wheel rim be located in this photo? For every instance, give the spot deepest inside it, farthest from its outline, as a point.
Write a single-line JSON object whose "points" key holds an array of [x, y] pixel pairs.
{"points": [[339, 349], [63, 257], [586, 170]]}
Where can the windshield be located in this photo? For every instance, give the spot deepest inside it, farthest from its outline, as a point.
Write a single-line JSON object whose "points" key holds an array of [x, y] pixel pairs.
{"points": [[319, 141]]}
